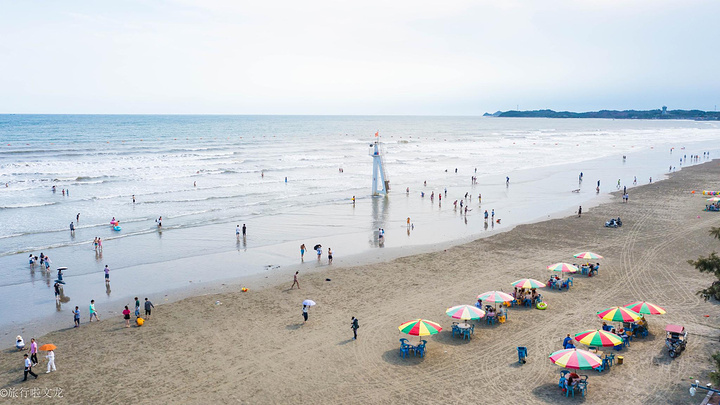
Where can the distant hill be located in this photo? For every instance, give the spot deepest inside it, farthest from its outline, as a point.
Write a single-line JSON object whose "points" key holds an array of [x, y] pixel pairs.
{"points": [[660, 114]]}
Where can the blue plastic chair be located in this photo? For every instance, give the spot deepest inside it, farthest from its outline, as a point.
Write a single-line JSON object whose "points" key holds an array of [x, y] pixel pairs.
{"points": [[404, 351], [455, 330], [561, 383], [466, 334], [611, 359], [569, 390], [522, 354], [420, 349], [601, 367], [491, 320], [570, 280]]}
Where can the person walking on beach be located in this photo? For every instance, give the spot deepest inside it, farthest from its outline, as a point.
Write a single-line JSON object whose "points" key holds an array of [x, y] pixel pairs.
{"points": [[329, 256], [126, 315], [486, 215], [354, 325], [107, 274], [100, 248], [95, 243], [492, 216], [33, 352], [507, 180], [148, 308], [133, 198], [28, 368], [635, 180], [137, 307], [244, 230], [93, 312], [51, 361], [304, 313], [76, 317], [57, 291], [579, 211], [295, 281], [302, 252], [237, 231], [72, 227], [77, 218]]}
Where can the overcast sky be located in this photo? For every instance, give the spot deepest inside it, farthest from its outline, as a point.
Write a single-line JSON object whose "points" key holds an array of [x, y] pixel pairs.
{"points": [[363, 57]]}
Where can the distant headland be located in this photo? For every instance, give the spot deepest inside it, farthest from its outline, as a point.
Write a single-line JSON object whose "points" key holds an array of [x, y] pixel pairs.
{"points": [[659, 114]]}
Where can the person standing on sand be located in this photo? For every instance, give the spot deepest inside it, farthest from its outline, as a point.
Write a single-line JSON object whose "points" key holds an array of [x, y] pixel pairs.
{"points": [[329, 256], [302, 252], [107, 274], [148, 308], [354, 325], [51, 361], [319, 252], [133, 198], [295, 281], [100, 244], [76, 317], [77, 218], [33, 352], [304, 312], [137, 307], [237, 231], [244, 230], [126, 315], [28, 368], [57, 291], [72, 227], [579, 211], [492, 216], [93, 312]]}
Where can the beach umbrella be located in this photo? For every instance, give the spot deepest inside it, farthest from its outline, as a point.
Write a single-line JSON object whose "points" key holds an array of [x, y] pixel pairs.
{"points": [[563, 267], [619, 314], [308, 303], [598, 338], [576, 358], [48, 347], [644, 307], [588, 255], [465, 312], [317, 246], [420, 327], [713, 200], [495, 297], [528, 283], [62, 268]]}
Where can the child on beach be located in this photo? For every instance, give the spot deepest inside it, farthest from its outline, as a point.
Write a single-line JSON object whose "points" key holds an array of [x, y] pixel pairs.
{"points": [[319, 252], [76, 316], [107, 274], [295, 281], [126, 315], [93, 312], [137, 307], [329, 256], [302, 252]]}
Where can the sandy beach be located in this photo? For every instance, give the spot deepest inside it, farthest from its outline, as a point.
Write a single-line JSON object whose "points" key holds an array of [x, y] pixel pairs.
{"points": [[254, 347]]}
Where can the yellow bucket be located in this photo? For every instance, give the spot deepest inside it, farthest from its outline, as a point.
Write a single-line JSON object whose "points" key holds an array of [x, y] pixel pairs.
{"points": [[620, 359]]}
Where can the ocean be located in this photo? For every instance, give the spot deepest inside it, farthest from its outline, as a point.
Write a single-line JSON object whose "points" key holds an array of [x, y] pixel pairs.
{"points": [[204, 175]]}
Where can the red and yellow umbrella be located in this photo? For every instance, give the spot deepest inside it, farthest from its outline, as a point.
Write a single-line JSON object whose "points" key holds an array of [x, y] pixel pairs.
{"points": [[619, 314], [644, 307], [465, 312], [528, 283], [563, 267], [598, 338], [576, 358], [420, 327], [495, 297], [587, 255]]}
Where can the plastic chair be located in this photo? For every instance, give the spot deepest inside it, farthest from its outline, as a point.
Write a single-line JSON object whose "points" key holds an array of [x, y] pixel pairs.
{"points": [[491, 320], [501, 319], [582, 387], [420, 349], [570, 280], [601, 367], [455, 330], [561, 383], [404, 351], [466, 334], [569, 390], [611, 359], [522, 354]]}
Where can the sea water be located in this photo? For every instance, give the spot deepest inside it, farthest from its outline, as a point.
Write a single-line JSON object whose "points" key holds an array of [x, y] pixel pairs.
{"points": [[290, 179]]}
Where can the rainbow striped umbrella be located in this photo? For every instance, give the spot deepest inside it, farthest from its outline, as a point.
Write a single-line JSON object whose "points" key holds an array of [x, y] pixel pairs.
{"points": [[713, 200], [420, 327], [587, 255], [619, 314], [465, 312], [598, 338], [528, 283], [495, 297], [644, 307], [576, 358], [563, 267]]}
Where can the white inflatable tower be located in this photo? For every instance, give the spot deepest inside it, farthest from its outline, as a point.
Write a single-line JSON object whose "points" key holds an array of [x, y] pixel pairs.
{"points": [[378, 168]]}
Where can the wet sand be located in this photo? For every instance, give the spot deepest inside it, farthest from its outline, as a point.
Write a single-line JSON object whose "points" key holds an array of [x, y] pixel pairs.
{"points": [[254, 348]]}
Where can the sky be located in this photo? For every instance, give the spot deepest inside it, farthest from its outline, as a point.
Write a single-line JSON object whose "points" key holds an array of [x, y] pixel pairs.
{"points": [[417, 57]]}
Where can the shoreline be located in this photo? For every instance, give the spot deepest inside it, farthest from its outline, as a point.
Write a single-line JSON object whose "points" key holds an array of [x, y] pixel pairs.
{"points": [[269, 347]]}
